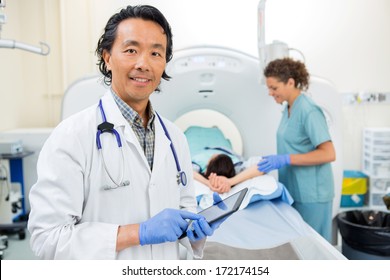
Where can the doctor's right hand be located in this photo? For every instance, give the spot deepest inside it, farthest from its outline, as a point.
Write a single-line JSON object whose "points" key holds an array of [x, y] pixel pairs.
{"points": [[166, 226]]}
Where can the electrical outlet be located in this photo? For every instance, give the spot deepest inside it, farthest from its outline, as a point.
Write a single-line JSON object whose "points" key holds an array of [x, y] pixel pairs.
{"points": [[382, 97]]}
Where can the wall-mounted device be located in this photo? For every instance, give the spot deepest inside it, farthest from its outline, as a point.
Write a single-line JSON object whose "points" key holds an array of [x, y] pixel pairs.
{"points": [[10, 146], [43, 49]]}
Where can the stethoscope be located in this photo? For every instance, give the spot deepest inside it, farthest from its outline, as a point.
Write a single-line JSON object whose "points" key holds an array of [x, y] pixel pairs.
{"points": [[105, 126]]}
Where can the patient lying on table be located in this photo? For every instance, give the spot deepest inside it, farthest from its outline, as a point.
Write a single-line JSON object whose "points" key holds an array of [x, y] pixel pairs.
{"points": [[222, 174], [218, 169]]}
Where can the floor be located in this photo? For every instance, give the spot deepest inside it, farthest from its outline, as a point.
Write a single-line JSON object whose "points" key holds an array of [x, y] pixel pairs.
{"points": [[18, 249]]}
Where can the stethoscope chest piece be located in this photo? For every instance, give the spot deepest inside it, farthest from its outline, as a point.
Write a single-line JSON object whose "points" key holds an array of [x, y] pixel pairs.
{"points": [[182, 178]]}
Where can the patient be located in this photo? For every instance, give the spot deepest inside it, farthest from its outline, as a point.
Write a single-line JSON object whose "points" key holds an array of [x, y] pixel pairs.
{"points": [[220, 175], [215, 163], [220, 164]]}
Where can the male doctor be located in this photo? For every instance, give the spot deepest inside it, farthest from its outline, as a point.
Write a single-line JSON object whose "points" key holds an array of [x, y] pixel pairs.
{"points": [[107, 177]]}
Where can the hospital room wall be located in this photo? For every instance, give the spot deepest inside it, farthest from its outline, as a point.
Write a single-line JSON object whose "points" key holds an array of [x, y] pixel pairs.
{"points": [[343, 41], [30, 84]]}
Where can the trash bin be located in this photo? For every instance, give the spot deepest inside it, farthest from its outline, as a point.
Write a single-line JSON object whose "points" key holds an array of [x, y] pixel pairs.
{"points": [[365, 234]]}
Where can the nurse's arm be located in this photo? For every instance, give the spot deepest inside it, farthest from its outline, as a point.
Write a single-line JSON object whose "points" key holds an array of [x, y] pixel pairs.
{"points": [[128, 236], [324, 153]]}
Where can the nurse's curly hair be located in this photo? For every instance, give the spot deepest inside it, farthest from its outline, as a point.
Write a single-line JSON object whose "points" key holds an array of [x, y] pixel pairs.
{"points": [[106, 41], [286, 68]]}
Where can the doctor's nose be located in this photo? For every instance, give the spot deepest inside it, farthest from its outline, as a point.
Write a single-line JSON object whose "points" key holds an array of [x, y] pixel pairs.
{"points": [[142, 63]]}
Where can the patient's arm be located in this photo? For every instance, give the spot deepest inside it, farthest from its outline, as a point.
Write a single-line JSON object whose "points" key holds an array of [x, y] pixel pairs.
{"points": [[247, 174], [200, 178], [222, 184]]}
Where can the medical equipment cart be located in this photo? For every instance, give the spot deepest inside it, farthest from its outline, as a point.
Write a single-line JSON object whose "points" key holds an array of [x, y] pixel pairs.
{"points": [[19, 221]]}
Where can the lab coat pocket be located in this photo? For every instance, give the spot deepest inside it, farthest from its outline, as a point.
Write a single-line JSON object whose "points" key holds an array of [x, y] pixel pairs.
{"points": [[167, 189]]}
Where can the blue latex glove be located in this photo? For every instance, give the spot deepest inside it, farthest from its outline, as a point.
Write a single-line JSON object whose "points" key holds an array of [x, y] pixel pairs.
{"points": [[166, 226], [270, 163], [199, 229]]}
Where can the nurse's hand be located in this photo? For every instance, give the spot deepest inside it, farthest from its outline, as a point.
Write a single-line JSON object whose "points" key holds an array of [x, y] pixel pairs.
{"points": [[199, 229], [166, 226], [273, 162]]}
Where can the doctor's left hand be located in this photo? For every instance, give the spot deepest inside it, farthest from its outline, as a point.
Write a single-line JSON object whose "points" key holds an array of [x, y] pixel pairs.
{"points": [[166, 226], [199, 229]]}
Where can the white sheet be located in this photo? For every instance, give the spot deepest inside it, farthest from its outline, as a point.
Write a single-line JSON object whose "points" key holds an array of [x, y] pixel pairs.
{"points": [[263, 187], [267, 220], [266, 224]]}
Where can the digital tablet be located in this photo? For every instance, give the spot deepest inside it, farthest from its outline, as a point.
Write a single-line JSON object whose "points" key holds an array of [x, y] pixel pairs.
{"points": [[222, 209]]}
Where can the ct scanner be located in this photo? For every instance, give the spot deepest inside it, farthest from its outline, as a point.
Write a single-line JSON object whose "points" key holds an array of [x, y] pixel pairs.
{"points": [[228, 81]]}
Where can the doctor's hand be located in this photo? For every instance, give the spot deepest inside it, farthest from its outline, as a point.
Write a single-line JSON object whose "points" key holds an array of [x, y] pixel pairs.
{"points": [[199, 229], [166, 226], [270, 163]]}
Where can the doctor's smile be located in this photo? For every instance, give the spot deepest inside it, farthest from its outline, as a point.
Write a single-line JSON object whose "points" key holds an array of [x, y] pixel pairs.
{"points": [[141, 80]]}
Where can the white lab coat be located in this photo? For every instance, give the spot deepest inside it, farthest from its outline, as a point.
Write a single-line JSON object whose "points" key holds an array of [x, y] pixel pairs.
{"points": [[74, 216]]}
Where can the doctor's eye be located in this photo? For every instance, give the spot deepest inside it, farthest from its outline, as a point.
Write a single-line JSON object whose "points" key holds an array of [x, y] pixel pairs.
{"points": [[157, 54], [131, 51]]}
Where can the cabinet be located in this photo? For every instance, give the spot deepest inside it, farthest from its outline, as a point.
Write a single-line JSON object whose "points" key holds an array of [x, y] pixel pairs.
{"points": [[376, 163]]}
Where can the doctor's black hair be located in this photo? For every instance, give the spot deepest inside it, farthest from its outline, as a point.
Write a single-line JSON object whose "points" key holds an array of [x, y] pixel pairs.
{"points": [[286, 68], [107, 39]]}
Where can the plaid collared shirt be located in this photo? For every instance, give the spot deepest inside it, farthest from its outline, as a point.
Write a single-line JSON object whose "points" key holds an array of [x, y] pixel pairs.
{"points": [[145, 136]]}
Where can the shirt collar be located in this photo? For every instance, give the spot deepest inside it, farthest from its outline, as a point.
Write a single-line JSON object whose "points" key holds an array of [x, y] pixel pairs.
{"points": [[130, 114]]}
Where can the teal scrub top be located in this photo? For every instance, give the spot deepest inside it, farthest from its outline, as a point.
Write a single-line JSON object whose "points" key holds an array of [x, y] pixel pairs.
{"points": [[302, 132]]}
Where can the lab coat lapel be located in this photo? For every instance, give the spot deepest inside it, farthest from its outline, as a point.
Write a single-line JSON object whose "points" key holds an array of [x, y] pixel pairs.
{"points": [[161, 146]]}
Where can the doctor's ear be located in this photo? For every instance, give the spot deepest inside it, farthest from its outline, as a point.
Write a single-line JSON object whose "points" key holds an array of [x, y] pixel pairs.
{"points": [[107, 56]]}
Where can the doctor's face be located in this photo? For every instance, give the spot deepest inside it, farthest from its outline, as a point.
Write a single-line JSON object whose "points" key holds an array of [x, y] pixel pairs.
{"points": [[137, 60]]}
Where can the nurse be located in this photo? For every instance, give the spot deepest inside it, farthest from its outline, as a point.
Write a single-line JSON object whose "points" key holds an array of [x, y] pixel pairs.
{"points": [[110, 184], [304, 146]]}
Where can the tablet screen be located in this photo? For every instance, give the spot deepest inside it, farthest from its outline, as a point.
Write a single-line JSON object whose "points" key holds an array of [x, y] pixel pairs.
{"points": [[224, 207]]}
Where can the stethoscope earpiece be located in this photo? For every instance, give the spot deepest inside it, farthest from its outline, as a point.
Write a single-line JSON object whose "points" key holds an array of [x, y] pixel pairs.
{"points": [[125, 183]]}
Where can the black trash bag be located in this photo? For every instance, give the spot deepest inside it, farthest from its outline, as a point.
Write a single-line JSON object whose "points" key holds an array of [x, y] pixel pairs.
{"points": [[386, 201], [366, 231]]}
